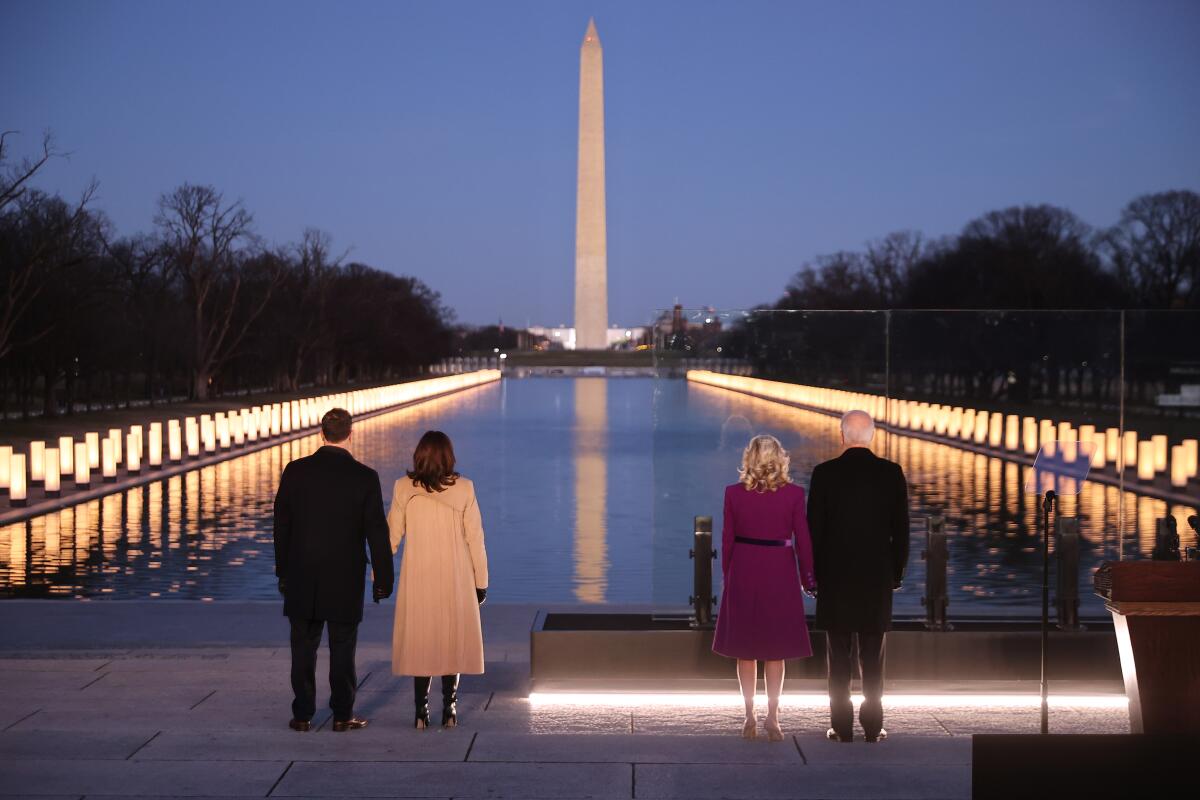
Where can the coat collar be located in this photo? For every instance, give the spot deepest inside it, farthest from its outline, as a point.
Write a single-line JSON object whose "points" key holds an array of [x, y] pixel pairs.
{"points": [[329, 448], [857, 451]]}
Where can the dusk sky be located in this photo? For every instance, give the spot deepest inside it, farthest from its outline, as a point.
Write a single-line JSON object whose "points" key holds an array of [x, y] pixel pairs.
{"points": [[438, 139]]}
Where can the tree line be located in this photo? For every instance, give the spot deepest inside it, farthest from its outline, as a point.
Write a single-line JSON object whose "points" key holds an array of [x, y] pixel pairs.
{"points": [[1025, 257], [197, 307], [972, 317]]}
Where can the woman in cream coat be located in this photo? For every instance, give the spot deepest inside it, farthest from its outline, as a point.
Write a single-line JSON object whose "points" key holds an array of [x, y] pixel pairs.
{"points": [[443, 576]]}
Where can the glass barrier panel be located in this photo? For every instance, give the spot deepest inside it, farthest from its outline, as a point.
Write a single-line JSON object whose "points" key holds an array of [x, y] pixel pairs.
{"points": [[724, 376], [1162, 416], [974, 396]]}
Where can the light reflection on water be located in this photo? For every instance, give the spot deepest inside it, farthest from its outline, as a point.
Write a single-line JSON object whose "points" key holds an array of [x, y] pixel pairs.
{"points": [[588, 488], [566, 506], [995, 556]]}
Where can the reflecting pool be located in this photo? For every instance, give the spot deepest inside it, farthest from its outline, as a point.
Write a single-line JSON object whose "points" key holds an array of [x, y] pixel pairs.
{"points": [[588, 487]]}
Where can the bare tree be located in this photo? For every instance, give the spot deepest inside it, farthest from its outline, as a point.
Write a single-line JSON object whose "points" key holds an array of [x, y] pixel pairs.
{"points": [[207, 242], [1155, 249], [889, 262], [312, 274], [48, 233], [15, 179], [146, 283]]}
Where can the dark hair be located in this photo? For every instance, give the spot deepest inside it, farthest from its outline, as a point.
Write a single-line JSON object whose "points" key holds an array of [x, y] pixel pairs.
{"points": [[433, 462], [335, 425]]}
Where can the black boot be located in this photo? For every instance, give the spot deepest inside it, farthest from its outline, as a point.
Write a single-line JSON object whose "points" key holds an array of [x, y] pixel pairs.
{"points": [[421, 696], [449, 701]]}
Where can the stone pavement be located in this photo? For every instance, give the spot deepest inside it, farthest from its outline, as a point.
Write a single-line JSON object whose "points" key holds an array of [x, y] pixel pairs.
{"points": [[187, 699]]}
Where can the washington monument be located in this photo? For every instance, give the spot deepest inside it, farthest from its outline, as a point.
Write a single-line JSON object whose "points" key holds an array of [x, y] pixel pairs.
{"points": [[591, 249]]}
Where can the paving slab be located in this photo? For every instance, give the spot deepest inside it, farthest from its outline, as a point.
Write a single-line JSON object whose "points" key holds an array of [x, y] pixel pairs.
{"points": [[21, 679], [1097, 721], [638, 748], [244, 675], [311, 779], [502, 677], [163, 697], [829, 782], [71, 744], [722, 720], [131, 720], [137, 778], [398, 710], [372, 743], [83, 664], [967, 721], [13, 713], [899, 748], [516, 715]]}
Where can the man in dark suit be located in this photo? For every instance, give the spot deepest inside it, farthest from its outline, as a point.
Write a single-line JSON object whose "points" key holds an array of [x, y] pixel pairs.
{"points": [[858, 518], [328, 512]]}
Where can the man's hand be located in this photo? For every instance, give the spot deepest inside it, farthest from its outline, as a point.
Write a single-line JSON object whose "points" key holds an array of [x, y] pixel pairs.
{"points": [[380, 592], [481, 595], [283, 586]]}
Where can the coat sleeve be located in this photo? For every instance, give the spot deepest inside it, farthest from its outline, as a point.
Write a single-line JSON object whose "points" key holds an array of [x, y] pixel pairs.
{"points": [[900, 528], [282, 524], [395, 517], [375, 530], [817, 520], [473, 527], [803, 544], [727, 534]]}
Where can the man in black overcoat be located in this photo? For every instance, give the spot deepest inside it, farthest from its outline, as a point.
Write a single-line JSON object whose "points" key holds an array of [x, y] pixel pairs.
{"points": [[858, 518], [328, 513]]}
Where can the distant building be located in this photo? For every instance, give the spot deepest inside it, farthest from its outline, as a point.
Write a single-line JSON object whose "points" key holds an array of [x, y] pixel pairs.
{"points": [[675, 331], [618, 338]]}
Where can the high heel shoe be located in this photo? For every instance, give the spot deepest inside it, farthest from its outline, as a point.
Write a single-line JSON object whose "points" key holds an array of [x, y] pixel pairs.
{"points": [[421, 697], [750, 728], [449, 701], [774, 732]]}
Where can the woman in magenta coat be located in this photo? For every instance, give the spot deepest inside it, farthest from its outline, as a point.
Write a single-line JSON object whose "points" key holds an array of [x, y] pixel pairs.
{"points": [[767, 563]]}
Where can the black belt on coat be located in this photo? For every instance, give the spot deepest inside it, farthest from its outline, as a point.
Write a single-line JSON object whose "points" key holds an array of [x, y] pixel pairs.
{"points": [[764, 542]]}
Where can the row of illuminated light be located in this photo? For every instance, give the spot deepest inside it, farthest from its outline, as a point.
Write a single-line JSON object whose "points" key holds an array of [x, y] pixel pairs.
{"points": [[819, 700], [997, 430], [48, 464]]}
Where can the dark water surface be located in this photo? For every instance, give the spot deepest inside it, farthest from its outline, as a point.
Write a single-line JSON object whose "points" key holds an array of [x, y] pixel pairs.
{"points": [[588, 487]]}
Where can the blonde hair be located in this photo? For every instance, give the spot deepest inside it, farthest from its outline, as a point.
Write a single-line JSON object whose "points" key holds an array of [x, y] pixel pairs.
{"points": [[764, 464]]}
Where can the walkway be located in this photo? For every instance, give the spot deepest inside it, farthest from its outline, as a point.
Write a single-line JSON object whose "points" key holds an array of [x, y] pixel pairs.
{"points": [[191, 699]]}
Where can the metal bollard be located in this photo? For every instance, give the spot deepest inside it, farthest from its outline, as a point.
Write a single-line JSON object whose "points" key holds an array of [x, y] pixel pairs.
{"points": [[1166, 540], [702, 555], [936, 556], [1066, 551]]}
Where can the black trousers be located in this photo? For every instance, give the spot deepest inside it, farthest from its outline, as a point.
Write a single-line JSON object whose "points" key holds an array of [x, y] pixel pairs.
{"points": [[840, 658], [343, 681]]}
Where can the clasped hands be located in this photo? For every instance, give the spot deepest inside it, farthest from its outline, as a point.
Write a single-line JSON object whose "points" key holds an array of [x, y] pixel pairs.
{"points": [[379, 592], [384, 592]]}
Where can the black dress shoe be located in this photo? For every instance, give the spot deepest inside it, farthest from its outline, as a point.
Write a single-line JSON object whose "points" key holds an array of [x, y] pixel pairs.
{"points": [[877, 737], [352, 724], [299, 724], [834, 736]]}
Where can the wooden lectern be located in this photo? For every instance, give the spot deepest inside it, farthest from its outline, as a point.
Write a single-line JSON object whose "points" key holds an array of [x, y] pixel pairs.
{"points": [[1156, 614]]}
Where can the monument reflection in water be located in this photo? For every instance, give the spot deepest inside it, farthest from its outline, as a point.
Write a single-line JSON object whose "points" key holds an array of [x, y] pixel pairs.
{"points": [[588, 488]]}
